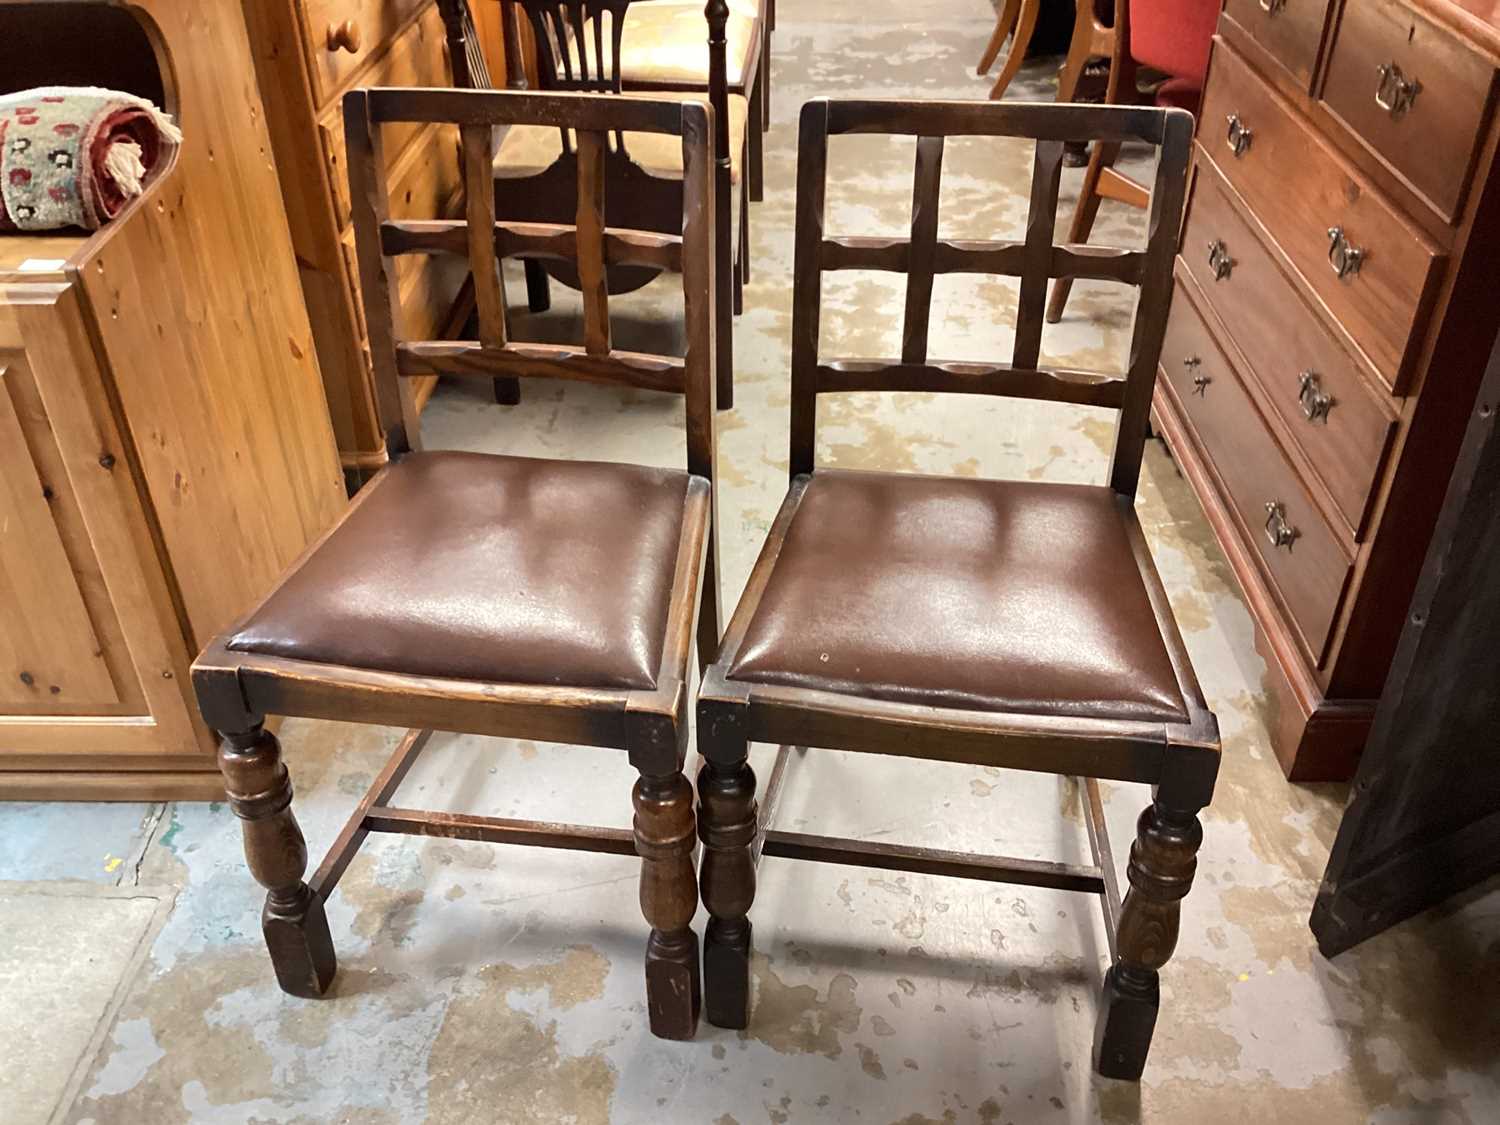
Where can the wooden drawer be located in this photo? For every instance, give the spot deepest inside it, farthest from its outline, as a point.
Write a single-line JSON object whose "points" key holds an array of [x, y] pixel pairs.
{"points": [[1291, 30], [1310, 572], [1383, 51], [1303, 193], [1292, 356], [373, 23], [418, 58]]}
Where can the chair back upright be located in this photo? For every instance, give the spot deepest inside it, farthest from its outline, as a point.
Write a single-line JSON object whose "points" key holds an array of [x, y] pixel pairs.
{"points": [[485, 239], [1035, 261]]}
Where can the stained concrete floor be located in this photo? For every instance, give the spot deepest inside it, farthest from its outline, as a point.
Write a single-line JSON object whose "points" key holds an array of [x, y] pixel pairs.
{"points": [[505, 986]]}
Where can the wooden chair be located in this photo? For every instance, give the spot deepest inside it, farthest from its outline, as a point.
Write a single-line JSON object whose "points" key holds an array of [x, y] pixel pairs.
{"points": [[663, 49], [1010, 624], [410, 611], [579, 48], [1171, 36]]}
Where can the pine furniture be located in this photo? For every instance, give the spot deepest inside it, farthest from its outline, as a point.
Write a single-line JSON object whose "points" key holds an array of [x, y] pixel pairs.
{"points": [[1333, 313], [495, 595], [1001, 623], [164, 447]]}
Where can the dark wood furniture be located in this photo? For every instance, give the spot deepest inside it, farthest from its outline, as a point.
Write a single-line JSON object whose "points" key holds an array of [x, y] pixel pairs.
{"points": [[579, 45], [1010, 624], [606, 571], [164, 447], [1333, 313], [1423, 822]]}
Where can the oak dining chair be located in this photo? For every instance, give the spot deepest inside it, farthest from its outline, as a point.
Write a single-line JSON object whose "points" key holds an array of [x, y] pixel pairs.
{"points": [[579, 48], [1011, 624], [495, 595]]}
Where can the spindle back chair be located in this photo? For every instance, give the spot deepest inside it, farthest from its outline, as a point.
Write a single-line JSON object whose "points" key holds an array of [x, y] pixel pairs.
{"points": [[578, 50], [488, 594], [1000, 623]]}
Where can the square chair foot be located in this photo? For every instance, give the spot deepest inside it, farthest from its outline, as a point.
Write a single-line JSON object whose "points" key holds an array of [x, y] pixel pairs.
{"points": [[300, 945], [1127, 1017], [726, 971], [674, 992]]}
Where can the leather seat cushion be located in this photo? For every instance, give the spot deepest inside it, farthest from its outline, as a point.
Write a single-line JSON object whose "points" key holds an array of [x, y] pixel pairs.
{"points": [[529, 150], [667, 41], [954, 592], [498, 569]]}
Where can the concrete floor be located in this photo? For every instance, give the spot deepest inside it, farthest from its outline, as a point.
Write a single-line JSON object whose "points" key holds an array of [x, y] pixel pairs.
{"points": [[505, 986]]}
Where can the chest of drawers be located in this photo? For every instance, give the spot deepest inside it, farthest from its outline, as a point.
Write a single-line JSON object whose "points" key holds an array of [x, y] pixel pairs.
{"points": [[1334, 306], [307, 54]]}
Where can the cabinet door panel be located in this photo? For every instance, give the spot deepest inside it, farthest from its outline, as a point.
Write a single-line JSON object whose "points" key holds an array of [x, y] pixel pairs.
{"points": [[50, 652]]}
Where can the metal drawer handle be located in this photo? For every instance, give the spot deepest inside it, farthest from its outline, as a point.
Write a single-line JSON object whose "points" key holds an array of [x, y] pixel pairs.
{"points": [[1237, 136], [1271, 7], [1190, 364], [1279, 533], [1315, 402], [1344, 256], [1219, 260], [1395, 92]]}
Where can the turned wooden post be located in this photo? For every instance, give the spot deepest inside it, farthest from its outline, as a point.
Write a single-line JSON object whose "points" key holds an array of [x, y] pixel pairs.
{"points": [[727, 816], [1162, 861], [293, 921], [664, 833]]}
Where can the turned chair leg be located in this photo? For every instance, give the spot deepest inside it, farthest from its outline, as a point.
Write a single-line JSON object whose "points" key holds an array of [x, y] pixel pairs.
{"points": [[293, 921], [727, 824], [664, 833], [1162, 861], [727, 816]]}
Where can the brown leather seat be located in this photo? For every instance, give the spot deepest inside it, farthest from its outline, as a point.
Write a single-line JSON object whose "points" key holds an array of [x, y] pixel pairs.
{"points": [[499, 569], [962, 593]]}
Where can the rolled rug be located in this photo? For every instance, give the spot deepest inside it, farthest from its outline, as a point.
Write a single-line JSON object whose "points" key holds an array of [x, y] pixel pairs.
{"points": [[74, 156]]}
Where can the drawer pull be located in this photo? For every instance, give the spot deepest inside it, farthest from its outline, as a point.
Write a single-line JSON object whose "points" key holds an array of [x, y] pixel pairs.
{"points": [[1190, 364], [1271, 7], [1237, 136], [1396, 92], [343, 36], [1343, 256], [1315, 402], [1279, 533], [1219, 260]]}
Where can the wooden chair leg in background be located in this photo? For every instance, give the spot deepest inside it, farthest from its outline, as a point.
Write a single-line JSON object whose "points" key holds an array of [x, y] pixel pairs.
{"points": [[664, 839], [1084, 213], [293, 921], [1020, 43], [1162, 861], [755, 141], [1005, 22], [538, 291], [727, 825]]}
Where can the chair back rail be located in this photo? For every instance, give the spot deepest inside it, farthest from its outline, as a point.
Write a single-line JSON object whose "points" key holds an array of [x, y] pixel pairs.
{"points": [[1035, 261], [485, 239]]}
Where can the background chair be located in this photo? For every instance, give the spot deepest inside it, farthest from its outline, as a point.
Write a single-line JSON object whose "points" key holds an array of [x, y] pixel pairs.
{"points": [[495, 595], [579, 48], [1171, 36], [999, 623]]}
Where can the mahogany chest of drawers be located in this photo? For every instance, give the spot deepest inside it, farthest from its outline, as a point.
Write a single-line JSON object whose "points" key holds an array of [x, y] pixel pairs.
{"points": [[1334, 307]]}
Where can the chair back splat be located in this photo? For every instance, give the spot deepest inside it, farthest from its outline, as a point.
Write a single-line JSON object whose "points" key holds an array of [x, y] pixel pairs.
{"points": [[486, 240], [1036, 260]]}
